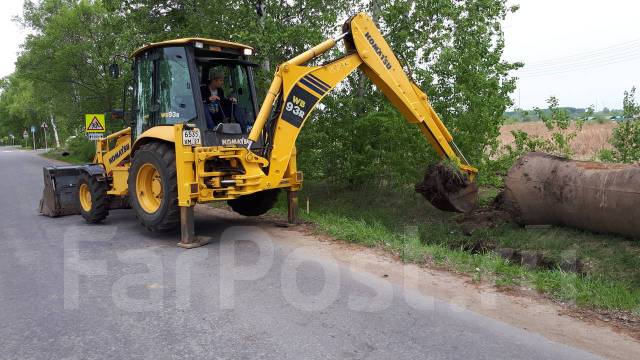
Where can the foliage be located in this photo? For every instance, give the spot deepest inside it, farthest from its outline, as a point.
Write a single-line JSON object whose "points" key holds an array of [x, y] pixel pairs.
{"points": [[630, 107], [589, 113], [626, 135], [452, 49], [557, 120], [626, 143], [81, 149]]}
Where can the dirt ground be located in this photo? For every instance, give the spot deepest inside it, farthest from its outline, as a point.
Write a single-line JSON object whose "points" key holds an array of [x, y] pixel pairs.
{"points": [[524, 308], [587, 144]]}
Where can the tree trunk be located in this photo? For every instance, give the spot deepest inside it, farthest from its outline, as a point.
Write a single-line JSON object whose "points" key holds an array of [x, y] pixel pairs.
{"points": [[261, 10], [361, 86], [54, 127]]}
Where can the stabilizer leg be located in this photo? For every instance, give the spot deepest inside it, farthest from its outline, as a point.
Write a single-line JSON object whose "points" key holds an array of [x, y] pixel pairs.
{"points": [[292, 213], [188, 238]]}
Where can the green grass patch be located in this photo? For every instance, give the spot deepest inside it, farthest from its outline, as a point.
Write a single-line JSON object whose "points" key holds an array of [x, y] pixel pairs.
{"points": [[406, 225], [57, 155]]}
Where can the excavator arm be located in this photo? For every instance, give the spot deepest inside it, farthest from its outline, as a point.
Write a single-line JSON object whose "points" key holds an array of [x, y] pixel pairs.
{"points": [[299, 88]]}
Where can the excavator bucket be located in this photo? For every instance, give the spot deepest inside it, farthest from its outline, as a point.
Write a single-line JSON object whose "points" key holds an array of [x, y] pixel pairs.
{"points": [[60, 194], [448, 189]]}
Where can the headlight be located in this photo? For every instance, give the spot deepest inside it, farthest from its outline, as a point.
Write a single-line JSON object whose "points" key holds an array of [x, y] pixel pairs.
{"points": [[248, 52]]}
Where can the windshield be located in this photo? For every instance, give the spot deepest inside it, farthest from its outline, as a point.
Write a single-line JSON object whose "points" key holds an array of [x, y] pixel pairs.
{"points": [[163, 91], [175, 92]]}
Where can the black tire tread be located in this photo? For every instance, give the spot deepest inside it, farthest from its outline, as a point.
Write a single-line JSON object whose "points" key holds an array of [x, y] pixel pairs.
{"points": [[99, 199], [167, 156]]}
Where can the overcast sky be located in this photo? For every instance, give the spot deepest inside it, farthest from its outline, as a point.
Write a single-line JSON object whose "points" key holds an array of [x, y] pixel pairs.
{"points": [[585, 52]]}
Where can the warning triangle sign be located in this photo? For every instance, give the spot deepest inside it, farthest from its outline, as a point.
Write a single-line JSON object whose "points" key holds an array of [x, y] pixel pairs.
{"points": [[95, 125]]}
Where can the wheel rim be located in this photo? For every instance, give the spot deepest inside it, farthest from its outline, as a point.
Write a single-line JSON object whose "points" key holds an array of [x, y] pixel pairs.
{"points": [[149, 188], [85, 197]]}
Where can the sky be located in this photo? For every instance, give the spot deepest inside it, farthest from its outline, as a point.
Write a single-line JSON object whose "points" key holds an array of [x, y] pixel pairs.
{"points": [[585, 52], [12, 35]]}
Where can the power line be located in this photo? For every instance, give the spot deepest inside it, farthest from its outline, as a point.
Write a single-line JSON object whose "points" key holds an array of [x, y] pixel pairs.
{"points": [[579, 67], [605, 50], [629, 52], [597, 58]]}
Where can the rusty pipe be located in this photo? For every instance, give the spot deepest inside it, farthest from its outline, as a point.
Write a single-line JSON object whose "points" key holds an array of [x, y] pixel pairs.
{"points": [[542, 189]]}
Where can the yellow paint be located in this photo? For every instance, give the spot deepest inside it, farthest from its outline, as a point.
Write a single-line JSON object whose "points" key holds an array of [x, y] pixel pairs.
{"points": [[114, 150], [149, 188], [185, 175], [85, 197], [165, 133], [119, 183]]}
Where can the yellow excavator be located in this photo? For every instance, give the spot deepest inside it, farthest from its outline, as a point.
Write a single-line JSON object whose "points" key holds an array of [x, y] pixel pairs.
{"points": [[186, 147]]}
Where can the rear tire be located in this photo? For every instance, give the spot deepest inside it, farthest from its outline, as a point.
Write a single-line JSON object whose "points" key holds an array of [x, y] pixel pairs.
{"points": [[255, 204], [153, 190], [92, 198]]}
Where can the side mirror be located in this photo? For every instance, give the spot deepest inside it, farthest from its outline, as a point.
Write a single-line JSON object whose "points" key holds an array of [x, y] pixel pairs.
{"points": [[114, 71]]}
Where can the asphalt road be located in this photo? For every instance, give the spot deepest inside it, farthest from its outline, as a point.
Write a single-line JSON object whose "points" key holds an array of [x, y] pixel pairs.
{"points": [[69, 290]]}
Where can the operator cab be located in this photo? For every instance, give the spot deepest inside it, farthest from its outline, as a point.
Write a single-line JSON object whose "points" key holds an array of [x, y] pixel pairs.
{"points": [[171, 79]]}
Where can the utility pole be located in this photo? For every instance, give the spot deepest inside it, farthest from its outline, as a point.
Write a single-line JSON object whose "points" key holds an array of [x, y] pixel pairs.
{"points": [[44, 128], [33, 135]]}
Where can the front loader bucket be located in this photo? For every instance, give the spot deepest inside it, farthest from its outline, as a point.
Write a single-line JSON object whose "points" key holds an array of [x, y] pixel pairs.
{"points": [[448, 190], [60, 194]]}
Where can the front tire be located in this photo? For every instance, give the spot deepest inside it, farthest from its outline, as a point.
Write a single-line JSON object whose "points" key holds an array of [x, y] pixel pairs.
{"points": [[92, 198], [153, 190]]}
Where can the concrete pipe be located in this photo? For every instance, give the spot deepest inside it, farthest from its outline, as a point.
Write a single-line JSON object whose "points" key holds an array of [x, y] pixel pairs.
{"points": [[542, 189]]}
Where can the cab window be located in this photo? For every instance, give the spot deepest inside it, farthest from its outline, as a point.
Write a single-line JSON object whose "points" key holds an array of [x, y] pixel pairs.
{"points": [[163, 90], [175, 91], [236, 84], [143, 93]]}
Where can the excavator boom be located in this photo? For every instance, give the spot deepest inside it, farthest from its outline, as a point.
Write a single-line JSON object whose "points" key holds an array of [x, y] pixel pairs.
{"points": [[300, 88]]}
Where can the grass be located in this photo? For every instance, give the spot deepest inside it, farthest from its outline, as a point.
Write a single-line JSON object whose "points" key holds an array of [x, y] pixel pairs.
{"points": [[405, 225], [56, 154]]}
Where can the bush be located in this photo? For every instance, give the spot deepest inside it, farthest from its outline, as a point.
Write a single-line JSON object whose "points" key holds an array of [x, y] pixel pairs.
{"points": [[80, 148], [626, 143], [607, 155]]}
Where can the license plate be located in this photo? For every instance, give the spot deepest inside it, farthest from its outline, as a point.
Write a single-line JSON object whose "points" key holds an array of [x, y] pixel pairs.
{"points": [[191, 137]]}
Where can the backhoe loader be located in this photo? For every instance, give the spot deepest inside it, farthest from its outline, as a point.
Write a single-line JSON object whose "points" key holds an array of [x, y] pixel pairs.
{"points": [[171, 158]]}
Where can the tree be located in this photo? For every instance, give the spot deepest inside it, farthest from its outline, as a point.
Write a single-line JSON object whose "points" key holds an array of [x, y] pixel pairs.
{"points": [[626, 135], [630, 108], [588, 114]]}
